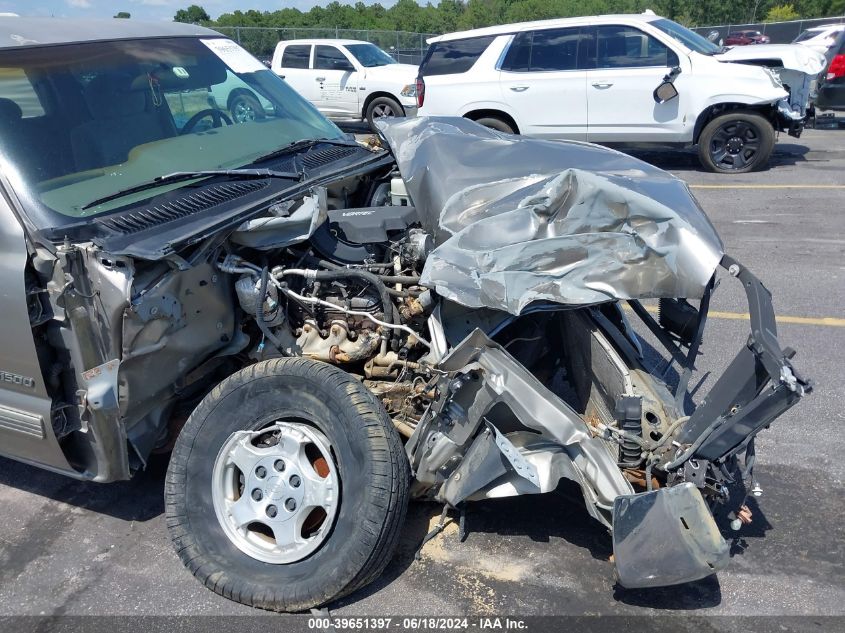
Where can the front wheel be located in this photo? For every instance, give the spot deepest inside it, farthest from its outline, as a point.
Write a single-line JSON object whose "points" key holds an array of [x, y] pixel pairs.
{"points": [[287, 486], [245, 108], [736, 143], [382, 107]]}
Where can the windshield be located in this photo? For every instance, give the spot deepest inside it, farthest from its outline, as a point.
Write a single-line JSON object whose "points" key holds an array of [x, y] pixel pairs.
{"points": [[806, 35], [370, 55], [82, 121], [690, 39]]}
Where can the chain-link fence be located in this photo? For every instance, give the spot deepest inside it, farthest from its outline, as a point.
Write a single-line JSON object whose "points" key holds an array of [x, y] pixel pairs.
{"points": [[408, 47], [404, 46], [778, 32]]}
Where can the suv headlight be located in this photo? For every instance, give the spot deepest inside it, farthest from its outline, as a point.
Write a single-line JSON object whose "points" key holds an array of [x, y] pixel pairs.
{"points": [[409, 91]]}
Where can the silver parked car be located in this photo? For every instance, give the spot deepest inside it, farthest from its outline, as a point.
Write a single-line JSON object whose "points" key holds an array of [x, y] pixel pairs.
{"points": [[323, 329]]}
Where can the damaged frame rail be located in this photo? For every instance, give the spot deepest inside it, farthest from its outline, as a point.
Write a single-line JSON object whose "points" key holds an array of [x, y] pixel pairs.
{"points": [[660, 537], [737, 408]]}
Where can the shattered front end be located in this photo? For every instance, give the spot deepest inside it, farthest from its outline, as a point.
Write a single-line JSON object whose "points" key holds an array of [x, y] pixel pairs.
{"points": [[538, 374]]}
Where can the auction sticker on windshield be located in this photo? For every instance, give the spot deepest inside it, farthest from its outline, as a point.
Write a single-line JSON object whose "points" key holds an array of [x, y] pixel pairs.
{"points": [[234, 56]]}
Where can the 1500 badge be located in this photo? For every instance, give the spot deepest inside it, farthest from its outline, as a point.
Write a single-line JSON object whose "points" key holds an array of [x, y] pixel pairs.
{"points": [[17, 379]]}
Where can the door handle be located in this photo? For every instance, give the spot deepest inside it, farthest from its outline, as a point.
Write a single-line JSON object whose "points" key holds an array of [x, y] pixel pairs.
{"points": [[602, 85], [519, 88], [320, 79]]}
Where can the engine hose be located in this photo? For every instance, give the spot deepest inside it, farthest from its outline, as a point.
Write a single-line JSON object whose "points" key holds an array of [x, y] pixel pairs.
{"points": [[390, 311], [648, 467], [408, 280], [695, 445], [259, 312]]}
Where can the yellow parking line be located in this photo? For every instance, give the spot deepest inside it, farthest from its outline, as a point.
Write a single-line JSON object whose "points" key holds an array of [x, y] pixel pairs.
{"points": [[744, 316], [767, 186]]}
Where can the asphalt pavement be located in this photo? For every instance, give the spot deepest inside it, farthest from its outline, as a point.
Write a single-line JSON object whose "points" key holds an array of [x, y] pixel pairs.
{"points": [[68, 547]]}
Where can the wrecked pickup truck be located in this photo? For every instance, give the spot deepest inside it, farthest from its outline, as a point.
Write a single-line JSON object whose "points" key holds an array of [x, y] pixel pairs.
{"points": [[320, 329]]}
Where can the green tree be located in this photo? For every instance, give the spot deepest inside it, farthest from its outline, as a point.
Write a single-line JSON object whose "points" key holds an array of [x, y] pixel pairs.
{"points": [[194, 14], [125, 15], [782, 13], [444, 16]]}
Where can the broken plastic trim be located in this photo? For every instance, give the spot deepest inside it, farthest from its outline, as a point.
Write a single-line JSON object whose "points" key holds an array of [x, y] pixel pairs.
{"points": [[665, 537], [738, 406]]}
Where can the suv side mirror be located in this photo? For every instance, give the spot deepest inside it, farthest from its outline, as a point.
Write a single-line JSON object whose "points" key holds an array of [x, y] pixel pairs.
{"points": [[666, 91]]}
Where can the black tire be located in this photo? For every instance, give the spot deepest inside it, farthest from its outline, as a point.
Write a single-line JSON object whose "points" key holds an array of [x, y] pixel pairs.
{"points": [[369, 458], [736, 143], [245, 107], [380, 107], [496, 123]]}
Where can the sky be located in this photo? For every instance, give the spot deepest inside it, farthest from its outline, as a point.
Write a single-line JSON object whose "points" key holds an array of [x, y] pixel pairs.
{"points": [[151, 9]]}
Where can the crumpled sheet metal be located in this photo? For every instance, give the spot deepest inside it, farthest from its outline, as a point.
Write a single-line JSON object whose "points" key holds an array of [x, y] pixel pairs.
{"points": [[285, 227], [517, 220]]}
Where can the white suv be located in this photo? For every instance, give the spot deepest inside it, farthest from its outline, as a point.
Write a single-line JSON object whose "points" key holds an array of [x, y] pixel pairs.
{"points": [[347, 79], [821, 38], [620, 79]]}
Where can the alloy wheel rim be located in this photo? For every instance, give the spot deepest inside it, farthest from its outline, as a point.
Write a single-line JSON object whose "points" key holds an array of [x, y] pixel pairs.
{"points": [[243, 112], [382, 110], [735, 145], [276, 491]]}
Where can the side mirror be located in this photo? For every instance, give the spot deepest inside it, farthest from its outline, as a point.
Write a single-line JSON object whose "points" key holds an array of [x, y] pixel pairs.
{"points": [[344, 65], [666, 91]]}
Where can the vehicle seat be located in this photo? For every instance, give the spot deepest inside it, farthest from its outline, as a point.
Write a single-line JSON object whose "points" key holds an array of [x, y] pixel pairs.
{"points": [[612, 51], [28, 143], [11, 117], [123, 116], [10, 120]]}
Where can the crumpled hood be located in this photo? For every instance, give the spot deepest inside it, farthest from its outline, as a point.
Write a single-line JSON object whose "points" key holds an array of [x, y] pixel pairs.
{"points": [[517, 220], [789, 56]]}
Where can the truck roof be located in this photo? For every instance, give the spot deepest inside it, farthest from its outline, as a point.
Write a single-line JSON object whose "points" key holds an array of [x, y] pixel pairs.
{"points": [[17, 32], [323, 40]]}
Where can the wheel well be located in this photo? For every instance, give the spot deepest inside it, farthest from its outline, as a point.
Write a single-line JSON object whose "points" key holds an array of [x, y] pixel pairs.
{"points": [[711, 112], [474, 115], [375, 96], [236, 93]]}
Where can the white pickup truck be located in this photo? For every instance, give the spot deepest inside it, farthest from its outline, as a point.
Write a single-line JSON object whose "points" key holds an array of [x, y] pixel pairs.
{"points": [[347, 79]]}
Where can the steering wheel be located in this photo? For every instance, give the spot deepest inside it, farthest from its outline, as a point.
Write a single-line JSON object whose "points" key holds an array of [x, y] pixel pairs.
{"points": [[218, 118]]}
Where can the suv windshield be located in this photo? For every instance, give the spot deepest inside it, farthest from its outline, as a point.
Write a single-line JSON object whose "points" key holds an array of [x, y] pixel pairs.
{"points": [[690, 39], [370, 55], [807, 35], [80, 122]]}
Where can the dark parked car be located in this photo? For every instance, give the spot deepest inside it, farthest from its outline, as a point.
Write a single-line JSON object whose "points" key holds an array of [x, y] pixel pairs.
{"points": [[831, 94], [743, 38]]}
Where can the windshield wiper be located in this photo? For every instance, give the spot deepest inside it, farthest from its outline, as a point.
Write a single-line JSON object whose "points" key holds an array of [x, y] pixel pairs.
{"points": [[303, 144], [179, 176]]}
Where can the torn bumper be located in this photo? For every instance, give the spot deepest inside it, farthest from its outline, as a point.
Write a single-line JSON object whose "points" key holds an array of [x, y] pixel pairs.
{"points": [[665, 537]]}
